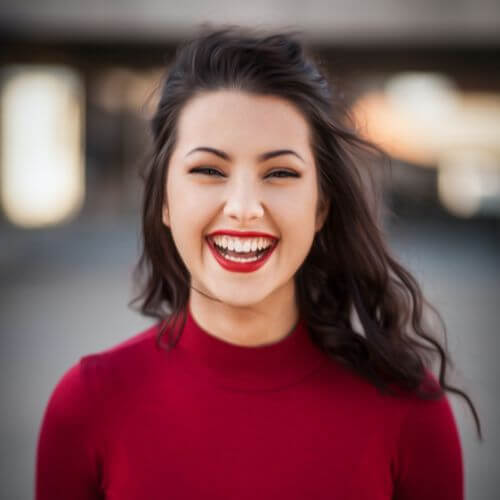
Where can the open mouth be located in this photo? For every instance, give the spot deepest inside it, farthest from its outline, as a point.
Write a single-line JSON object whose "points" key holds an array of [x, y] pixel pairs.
{"points": [[243, 257]]}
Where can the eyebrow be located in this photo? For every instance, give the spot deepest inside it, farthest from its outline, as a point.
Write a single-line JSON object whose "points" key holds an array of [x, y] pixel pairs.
{"points": [[261, 157]]}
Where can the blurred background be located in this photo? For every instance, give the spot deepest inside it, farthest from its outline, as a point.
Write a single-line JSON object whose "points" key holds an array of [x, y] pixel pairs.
{"points": [[77, 85]]}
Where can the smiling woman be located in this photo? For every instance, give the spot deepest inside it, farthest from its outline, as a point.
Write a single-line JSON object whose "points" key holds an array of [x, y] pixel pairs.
{"points": [[260, 251], [251, 137]]}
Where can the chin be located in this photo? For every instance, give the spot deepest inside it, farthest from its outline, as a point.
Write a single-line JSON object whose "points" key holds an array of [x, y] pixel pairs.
{"points": [[240, 300]]}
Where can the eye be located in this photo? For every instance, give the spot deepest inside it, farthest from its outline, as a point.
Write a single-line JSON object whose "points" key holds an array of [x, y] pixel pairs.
{"points": [[210, 171], [283, 173], [213, 172]]}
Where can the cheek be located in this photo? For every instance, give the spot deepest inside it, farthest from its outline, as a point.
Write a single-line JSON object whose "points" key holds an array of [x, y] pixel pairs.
{"points": [[187, 202], [298, 226], [191, 197], [296, 210], [297, 232], [189, 218]]}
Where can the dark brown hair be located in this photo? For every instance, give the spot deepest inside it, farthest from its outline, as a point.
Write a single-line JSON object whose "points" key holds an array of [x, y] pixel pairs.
{"points": [[349, 269]]}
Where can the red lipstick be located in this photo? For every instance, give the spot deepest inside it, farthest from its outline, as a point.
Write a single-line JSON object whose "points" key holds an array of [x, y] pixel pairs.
{"points": [[243, 234], [241, 267]]}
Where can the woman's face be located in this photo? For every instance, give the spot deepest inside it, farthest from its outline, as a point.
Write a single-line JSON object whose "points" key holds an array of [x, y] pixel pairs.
{"points": [[242, 192]]}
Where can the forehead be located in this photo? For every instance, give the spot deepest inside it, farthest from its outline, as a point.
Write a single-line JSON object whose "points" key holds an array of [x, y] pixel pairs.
{"points": [[236, 119]]}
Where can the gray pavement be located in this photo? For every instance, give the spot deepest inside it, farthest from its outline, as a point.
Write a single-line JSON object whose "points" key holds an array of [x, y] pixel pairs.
{"points": [[64, 293]]}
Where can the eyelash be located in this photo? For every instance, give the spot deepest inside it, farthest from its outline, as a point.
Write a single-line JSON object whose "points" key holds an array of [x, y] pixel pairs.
{"points": [[206, 169]]}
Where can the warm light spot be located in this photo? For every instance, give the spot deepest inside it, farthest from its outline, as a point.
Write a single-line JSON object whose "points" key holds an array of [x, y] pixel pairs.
{"points": [[469, 181], [382, 123], [420, 116], [41, 145]]}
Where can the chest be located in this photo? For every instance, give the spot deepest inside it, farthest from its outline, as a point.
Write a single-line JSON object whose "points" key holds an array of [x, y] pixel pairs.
{"points": [[289, 444]]}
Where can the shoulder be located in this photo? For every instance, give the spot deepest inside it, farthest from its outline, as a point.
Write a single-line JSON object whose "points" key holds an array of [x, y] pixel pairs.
{"points": [[432, 417], [131, 346], [90, 377], [80, 416], [402, 417], [429, 448], [123, 365], [433, 412]]}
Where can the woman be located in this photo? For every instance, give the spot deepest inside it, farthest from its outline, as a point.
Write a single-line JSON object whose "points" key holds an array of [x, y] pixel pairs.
{"points": [[260, 258]]}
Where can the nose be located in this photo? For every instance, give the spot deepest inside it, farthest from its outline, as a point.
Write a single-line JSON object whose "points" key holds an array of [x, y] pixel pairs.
{"points": [[243, 202]]}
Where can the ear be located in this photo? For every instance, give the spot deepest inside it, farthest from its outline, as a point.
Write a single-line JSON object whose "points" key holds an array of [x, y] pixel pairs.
{"points": [[165, 216], [322, 213]]}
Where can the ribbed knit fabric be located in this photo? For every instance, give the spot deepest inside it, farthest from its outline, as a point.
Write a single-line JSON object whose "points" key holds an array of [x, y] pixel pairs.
{"points": [[214, 420]]}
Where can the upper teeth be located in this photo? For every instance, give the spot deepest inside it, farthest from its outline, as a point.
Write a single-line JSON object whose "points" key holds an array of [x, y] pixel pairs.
{"points": [[242, 244]]}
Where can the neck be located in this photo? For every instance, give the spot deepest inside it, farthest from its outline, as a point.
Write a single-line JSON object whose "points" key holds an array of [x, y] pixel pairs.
{"points": [[266, 323]]}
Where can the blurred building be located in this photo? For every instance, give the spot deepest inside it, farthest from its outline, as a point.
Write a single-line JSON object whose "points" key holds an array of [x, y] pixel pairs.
{"points": [[422, 79]]}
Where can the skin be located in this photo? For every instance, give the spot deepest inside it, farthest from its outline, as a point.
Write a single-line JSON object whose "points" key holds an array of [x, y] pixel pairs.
{"points": [[255, 308]]}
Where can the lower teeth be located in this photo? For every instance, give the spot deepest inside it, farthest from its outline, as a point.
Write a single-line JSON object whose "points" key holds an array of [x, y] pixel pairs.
{"points": [[240, 259]]}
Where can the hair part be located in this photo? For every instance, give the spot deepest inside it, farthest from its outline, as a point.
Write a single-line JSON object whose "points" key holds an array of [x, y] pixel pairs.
{"points": [[349, 270]]}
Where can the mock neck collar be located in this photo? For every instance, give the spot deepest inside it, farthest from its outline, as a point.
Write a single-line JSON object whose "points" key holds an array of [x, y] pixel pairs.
{"points": [[266, 367]]}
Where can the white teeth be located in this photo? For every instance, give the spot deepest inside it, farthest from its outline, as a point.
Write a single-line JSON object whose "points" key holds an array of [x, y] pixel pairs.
{"points": [[241, 259], [242, 244]]}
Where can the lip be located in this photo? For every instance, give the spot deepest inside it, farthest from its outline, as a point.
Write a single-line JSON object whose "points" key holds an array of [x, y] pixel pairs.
{"points": [[243, 234], [240, 267]]}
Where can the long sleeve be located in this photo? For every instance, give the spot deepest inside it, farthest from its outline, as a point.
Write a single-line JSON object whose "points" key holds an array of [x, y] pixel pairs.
{"points": [[66, 465], [430, 454]]}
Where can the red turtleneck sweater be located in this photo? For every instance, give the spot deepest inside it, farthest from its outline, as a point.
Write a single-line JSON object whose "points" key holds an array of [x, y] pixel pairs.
{"points": [[213, 420]]}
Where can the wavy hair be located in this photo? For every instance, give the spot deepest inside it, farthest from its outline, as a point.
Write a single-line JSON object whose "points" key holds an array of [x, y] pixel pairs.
{"points": [[349, 274]]}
